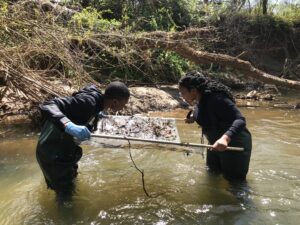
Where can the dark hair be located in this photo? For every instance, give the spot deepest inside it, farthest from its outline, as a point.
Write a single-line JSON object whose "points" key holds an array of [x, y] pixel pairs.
{"points": [[116, 90], [203, 84]]}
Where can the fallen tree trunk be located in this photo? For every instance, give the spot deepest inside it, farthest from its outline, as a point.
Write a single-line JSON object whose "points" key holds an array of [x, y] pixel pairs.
{"points": [[244, 66], [201, 57], [184, 44]]}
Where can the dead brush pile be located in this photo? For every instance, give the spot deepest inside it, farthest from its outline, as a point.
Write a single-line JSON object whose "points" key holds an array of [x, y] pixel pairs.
{"points": [[42, 57], [36, 61]]}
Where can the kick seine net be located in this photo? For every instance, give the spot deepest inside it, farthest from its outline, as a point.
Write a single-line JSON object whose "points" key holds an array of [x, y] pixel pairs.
{"points": [[139, 130]]}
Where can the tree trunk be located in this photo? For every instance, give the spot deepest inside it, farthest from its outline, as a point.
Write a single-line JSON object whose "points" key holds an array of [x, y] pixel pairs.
{"points": [[264, 6], [244, 66], [178, 42], [201, 57]]}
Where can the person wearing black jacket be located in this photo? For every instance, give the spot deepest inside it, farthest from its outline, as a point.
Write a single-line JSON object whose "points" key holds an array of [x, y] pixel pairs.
{"points": [[222, 124], [67, 122]]}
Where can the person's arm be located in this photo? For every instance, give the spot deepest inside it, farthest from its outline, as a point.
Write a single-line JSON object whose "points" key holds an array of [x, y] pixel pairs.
{"points": [[77, 108], [71, 113], [53, 110], [226, 111]]}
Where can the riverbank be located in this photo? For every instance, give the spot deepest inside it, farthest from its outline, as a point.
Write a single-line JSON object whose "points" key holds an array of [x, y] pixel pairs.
{"points": [[146, 99]]}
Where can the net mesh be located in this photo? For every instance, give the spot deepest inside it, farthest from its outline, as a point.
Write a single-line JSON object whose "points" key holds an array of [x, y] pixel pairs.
{"points": [[151, 128], [142, 129]]}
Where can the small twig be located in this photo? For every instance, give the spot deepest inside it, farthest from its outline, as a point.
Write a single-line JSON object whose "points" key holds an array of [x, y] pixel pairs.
{"points": [[138, 169], [242, 54]]}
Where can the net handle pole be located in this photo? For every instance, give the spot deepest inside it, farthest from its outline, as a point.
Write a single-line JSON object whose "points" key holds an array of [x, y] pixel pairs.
{"points": [[162, 142]]}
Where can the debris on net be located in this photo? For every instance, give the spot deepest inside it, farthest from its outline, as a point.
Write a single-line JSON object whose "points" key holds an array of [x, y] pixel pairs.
{"points": [[153, 128]]}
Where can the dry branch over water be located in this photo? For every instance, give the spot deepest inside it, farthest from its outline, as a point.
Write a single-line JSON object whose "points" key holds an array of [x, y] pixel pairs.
{"points": [[177, 42]]}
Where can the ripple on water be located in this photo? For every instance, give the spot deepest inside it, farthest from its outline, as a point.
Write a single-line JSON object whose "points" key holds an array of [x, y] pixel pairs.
{"points": [[266, 201], [197, 209], [227, 208], [275, 175]]}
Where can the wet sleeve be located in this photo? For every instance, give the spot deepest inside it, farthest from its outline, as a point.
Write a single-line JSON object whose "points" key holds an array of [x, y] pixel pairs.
{"points": [[227, 111], [63, 110], [53, 110]]}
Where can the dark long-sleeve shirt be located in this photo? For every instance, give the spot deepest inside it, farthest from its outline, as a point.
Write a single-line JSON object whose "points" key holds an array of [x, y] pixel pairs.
{"points": [[217, 114], [78, 108]]}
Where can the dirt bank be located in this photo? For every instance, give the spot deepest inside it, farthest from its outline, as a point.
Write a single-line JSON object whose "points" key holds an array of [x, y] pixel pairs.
{"points": [[145, 99], [161, 98], [142, 100]]}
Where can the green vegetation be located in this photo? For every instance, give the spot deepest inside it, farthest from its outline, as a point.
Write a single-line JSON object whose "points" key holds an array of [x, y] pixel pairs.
{"points": [[92, 19], [240, 27], [242, 20], [3, 7], [288, 13]]}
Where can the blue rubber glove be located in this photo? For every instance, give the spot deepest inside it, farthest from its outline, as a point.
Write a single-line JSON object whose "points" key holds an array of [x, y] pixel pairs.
{"points": [[81, 133]]}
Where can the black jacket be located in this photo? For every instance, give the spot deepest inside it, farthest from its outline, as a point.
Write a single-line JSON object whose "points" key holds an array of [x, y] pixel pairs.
{"points": [[218, 115], [79, 108]]}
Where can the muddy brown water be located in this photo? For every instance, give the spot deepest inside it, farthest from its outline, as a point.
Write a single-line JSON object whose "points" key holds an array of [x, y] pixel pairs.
{"points": [[109, 189]]}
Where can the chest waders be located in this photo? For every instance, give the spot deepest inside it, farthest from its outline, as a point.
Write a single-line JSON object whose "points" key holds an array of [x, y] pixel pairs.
{"points": [[233, 165], [57, 155]]}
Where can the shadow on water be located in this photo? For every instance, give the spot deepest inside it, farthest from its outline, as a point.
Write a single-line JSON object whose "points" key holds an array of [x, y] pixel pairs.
{"points": [[62, 208], [241, 191]]}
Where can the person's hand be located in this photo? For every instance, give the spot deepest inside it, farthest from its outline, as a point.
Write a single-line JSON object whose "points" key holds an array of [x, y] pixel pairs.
{"points": [[81, 133], [221, 144], [189, 117], [102, 114]]}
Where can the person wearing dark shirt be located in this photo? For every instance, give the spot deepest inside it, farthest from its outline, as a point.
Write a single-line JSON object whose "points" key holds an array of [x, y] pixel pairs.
{"points": [[67, 121], [222, 124]]}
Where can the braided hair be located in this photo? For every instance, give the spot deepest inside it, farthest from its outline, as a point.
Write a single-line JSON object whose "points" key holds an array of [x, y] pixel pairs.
{"points": [[204, 85]]}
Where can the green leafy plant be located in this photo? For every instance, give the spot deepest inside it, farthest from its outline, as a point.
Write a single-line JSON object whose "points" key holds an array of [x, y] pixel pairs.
{"points": [[288, 12], [173, 65], [92, 19], [3, 7]]}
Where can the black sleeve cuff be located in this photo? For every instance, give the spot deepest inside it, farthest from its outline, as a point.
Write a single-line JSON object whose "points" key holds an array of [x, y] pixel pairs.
{"points": [[63, 121], [229, 133]]}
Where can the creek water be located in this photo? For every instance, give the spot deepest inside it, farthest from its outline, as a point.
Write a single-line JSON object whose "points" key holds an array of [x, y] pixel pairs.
{"points": [[109, 188]]}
